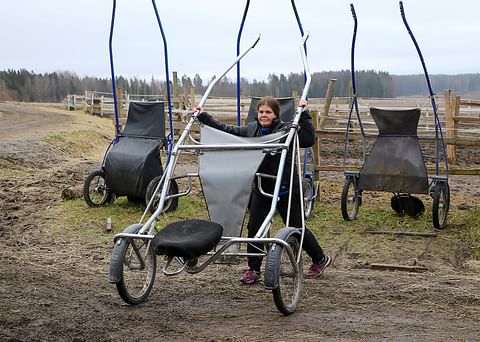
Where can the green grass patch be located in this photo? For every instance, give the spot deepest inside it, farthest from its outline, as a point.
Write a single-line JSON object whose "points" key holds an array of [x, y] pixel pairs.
{"points": [[465, 225], [9, 169], [332, 231], [77, 143], [77, 218], [326, 222]]}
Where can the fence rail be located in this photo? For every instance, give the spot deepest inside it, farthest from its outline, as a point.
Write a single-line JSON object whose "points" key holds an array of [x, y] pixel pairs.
{"points": [[460, 119]]}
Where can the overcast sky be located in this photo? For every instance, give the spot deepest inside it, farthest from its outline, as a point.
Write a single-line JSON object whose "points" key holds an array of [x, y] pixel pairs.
{"points": [[72, 35]]}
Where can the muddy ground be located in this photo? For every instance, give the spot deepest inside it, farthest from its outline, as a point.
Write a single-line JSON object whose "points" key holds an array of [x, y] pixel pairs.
{"points": [[53, 286]]}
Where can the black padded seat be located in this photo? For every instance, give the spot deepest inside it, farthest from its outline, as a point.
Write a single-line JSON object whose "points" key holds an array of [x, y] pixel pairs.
{"points": [[187, 239]]}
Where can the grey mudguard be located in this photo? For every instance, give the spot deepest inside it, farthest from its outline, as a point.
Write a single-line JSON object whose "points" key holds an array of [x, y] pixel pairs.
{"points": [[272, 266], [115, 271], [227, 177]]}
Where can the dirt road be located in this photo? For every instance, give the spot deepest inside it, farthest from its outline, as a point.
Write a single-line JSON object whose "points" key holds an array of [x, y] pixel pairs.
{"points": [[53, 286]]}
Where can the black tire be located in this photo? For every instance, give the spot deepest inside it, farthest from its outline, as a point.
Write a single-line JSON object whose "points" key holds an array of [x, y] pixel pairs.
{"points": [[170, 204], [441, 205], [350, 200], [288, 273], [138, 273], [95, 190], [308, 196]]}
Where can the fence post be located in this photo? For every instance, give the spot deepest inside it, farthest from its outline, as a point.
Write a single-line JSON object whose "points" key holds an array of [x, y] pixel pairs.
{"points": [[295, 97], [120, 110], [175, 89], [456, 113], [450, 126], [328, 101], [193, 101], [316, 145]]}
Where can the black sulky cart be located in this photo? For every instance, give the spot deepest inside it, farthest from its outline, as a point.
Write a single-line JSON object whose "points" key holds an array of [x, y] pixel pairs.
{"points": [[395, 162]]}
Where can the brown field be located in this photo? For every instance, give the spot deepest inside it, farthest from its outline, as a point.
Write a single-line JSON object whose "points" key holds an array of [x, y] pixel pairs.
{"points": [[54, 266]]}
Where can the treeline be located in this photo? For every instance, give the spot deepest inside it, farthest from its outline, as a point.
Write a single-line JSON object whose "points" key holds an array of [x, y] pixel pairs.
{"points": [[23, 85]]}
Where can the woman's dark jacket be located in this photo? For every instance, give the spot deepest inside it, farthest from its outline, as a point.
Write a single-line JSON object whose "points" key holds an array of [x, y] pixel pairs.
{"points": [[306, 137]]}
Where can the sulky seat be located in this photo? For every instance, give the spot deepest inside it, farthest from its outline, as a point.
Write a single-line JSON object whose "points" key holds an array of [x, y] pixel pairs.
{"points": [[188, 239], [395, 163], [134, 160]]}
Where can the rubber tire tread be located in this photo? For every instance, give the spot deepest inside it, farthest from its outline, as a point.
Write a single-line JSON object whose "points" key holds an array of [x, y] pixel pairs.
{"points": [[345, 213], [436, 204], [117, 259], [272, 270], [308, 180], [173, 190], [86, 190]]}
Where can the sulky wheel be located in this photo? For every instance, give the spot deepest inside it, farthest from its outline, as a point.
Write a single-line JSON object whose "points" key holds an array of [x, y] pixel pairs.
{"points": [[283, 274], [441, 204], [350, 200], [134, 265], [308, 196], [96, 191], [170, 204]]}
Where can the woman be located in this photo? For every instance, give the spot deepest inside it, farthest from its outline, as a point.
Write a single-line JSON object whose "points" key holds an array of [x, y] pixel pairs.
{"points": [[268, 121]]}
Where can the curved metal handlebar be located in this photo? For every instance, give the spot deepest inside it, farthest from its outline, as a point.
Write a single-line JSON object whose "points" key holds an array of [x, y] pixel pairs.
{"points": [[352, 50], [417, 47], [308, 74], [438, 130], [112, 70], [402, 11], [353, 12], [212, 84]]}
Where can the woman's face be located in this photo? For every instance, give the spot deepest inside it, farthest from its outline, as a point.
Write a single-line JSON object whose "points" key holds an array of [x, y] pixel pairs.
{"points": [[265, 116]]}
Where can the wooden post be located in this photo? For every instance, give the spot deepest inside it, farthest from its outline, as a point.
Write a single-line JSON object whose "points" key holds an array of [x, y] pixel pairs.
{"points": [[456, 114], [295, 97], [350, 93], [181, 102], [175, 89], [316, 145], [328, 101], [193, 101], [450, 126], [122, 115]]}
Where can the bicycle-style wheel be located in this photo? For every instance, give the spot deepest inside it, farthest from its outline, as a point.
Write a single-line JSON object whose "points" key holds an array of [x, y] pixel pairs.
{"points": [[95, 189], [283, 275], [308, 196], [137, 264], [441, 205], [350, 200], [170, 204]]}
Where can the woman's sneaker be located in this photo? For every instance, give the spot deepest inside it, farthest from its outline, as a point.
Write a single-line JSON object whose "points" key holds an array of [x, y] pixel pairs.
{"points": [[250, 277], [317, 269]]}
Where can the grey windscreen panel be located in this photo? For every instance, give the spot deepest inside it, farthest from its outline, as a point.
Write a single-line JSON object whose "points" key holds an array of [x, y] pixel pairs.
{"points": [[227, 177]]}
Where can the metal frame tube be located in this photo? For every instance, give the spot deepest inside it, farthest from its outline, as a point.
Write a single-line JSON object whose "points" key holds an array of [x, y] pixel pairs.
{"points": [[171, 165], [263, 230], [354, 104], [169, 139], [112, 70], [438, 128], [239, 37]]}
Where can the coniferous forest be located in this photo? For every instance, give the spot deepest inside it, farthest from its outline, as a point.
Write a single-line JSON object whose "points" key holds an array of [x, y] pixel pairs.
{"points": [[28, 86]]}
